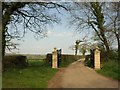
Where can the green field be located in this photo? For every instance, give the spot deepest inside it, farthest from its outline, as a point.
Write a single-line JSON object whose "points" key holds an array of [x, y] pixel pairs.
{"points": [[111, 69], [36, 75]]}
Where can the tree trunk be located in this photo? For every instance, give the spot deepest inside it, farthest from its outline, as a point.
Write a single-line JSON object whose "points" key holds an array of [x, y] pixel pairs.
{"points": [[97, 11], [6, 19], [83, 54], [3, 41], [4, 23], [76, 50], [3, 48], [119, 52], [106, 44], [118, 42], [117, 36]]}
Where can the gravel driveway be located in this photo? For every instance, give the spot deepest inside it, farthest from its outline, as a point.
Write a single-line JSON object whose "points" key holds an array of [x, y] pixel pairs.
{"points": [[76, 75]]}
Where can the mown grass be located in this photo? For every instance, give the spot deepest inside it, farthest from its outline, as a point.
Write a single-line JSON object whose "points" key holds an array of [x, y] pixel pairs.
{"points": [[111, 69], [36, 75]]}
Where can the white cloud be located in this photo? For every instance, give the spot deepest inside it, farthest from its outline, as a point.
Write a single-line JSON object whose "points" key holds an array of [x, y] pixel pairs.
{"points": [[59, 34], [49, 32]]}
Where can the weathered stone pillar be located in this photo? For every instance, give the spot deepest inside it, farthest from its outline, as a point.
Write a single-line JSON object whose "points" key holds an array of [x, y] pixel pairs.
{"points": [[54, 59], [97, 58]]}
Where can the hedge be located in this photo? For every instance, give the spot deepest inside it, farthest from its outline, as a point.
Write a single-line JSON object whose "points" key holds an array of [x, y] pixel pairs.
{"points": [[15, 61]]}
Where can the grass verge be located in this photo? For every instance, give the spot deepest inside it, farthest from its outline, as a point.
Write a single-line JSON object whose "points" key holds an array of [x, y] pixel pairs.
{"points": [[111, 69], [36, 75]]}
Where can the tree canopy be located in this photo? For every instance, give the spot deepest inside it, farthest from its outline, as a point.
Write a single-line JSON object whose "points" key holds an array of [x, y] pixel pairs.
{"points": [[101, 17], [31, 16]]}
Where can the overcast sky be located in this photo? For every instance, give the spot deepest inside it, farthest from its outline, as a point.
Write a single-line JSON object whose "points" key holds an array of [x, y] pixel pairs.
{"points": [[60, 36], [61, 39]]}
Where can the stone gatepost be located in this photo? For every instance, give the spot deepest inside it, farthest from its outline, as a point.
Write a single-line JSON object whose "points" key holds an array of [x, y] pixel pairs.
{"points": [[54, 59], [97, 59]]}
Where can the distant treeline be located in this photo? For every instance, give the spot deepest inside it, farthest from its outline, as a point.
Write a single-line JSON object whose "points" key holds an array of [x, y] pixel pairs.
{"points": [[30, 56], [35, 57]]}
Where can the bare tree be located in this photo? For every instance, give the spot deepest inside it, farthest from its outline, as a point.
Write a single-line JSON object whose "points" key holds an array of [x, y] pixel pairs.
{"points": [[93, 15], [77, 46], [113, 25], [31, 16], [119, 30]]}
